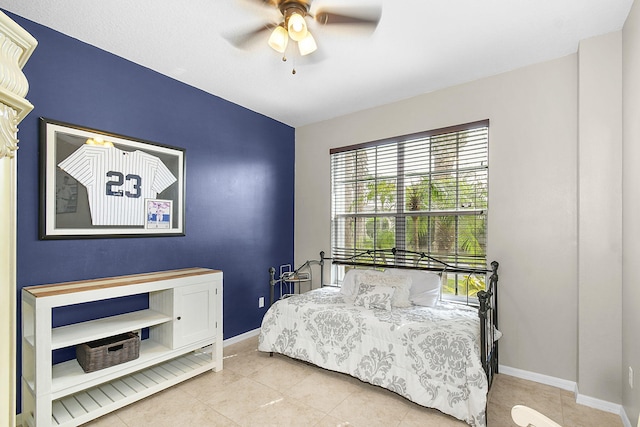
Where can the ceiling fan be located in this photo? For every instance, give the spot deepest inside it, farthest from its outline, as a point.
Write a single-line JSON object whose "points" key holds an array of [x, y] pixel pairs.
{"points": [[292, 23]]}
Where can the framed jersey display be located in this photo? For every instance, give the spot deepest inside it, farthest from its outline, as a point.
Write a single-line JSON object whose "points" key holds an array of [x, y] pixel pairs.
{"points": [[96, 184]]}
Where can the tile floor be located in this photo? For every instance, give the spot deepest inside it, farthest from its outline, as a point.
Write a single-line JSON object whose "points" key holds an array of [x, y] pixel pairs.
{"points": [[254, 389]]}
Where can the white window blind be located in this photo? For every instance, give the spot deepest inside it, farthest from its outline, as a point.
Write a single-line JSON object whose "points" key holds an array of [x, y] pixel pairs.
{"points": [[424, 193]]}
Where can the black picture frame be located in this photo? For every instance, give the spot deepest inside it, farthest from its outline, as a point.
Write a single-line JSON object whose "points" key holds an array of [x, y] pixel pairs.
{"points": [[97, 184]]}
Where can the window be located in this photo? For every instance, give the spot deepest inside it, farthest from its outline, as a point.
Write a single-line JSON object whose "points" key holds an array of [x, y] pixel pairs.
{"points": [[424, 193]]}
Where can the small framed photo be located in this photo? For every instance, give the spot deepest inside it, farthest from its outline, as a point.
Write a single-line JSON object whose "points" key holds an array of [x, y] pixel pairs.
{"points": [[159, 213], [96, 184]]}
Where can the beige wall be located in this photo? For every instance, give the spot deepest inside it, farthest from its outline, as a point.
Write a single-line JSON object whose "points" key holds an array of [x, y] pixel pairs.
{"points": [[533, 196], [600, 217], [631, 212]]}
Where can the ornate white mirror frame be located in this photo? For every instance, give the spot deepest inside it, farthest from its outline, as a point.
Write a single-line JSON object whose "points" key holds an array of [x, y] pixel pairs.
{"points": [[16, 46]]}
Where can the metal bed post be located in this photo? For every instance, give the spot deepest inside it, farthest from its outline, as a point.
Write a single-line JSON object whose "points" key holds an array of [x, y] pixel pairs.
{"points": [[483, 298], [322, 258], [488, 302], [272, 284], [493, 281]]}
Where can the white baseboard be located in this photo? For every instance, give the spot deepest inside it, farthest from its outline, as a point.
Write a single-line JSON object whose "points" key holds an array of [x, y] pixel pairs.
{"points": [[240, 337], [626, 422], [581, 399], [603, 405], [539, 378]]}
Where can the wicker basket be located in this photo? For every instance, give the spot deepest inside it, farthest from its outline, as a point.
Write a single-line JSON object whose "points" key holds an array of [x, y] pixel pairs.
{"points": [[100, 354]]}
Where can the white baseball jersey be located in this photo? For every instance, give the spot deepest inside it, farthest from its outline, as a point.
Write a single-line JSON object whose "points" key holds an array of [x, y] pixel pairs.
{"points": [[117, 182]]}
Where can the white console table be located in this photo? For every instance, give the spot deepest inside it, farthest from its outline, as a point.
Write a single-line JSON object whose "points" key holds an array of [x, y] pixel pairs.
{"points": [[185, 339]]}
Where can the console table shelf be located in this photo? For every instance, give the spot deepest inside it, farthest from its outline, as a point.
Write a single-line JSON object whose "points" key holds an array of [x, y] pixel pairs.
{"points": [[66, 336]]}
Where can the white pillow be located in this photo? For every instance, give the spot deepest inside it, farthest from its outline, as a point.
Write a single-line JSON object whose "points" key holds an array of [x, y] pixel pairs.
{"points": [[425, 285], [374, 296], [427, 298], [350, 281], [402, 285]]}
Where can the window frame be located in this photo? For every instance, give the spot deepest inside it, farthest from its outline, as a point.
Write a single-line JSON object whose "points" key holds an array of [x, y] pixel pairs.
{"points": [[400, 213]]}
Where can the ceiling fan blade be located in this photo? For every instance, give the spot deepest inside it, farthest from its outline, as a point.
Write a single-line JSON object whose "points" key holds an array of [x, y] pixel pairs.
{"points": [[266, 9], [368, 16], [269, 3], [244, 39]]}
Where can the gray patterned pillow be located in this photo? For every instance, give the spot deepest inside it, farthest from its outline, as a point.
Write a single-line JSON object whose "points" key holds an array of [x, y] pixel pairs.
{"points": [[401, 284], [351, 280], [374, 296]]}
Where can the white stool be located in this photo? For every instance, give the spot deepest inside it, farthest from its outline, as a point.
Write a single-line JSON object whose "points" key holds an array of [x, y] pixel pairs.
{"points": [[527, 417]]}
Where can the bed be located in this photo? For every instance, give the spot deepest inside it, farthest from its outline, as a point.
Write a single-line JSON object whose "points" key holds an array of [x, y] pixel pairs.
{"points": [[439, 354]]}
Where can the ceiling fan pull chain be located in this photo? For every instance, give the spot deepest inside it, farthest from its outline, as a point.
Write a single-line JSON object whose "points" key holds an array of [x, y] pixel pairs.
{"points": [[293, 70]]}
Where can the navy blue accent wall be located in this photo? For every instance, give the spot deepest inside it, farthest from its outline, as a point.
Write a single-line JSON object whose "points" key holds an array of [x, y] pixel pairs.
{"points": [[239, 177]]}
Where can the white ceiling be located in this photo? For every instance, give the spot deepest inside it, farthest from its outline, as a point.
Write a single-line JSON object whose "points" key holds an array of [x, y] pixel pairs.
{"points": [[419, 46]]}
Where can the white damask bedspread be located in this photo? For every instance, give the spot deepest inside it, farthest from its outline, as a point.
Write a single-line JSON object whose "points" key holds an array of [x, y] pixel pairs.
{"points": [[431, 356]]}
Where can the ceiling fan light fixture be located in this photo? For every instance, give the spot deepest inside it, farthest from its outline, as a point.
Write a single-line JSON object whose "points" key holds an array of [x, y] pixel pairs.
{"points": [[297, 27], [279, 39], [307, 45]]}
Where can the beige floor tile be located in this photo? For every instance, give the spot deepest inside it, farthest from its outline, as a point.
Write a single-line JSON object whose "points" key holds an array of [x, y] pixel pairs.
{"points": [[286, 411], [372, 406], [508, 391], [242, 397], [198, 416], [576, 415], [330, 421], [248, 362], [109, 420], [202, 386], [323, 390], [170, 408], [499, 415], [420, 417], [249, 344], [282, 373]]}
